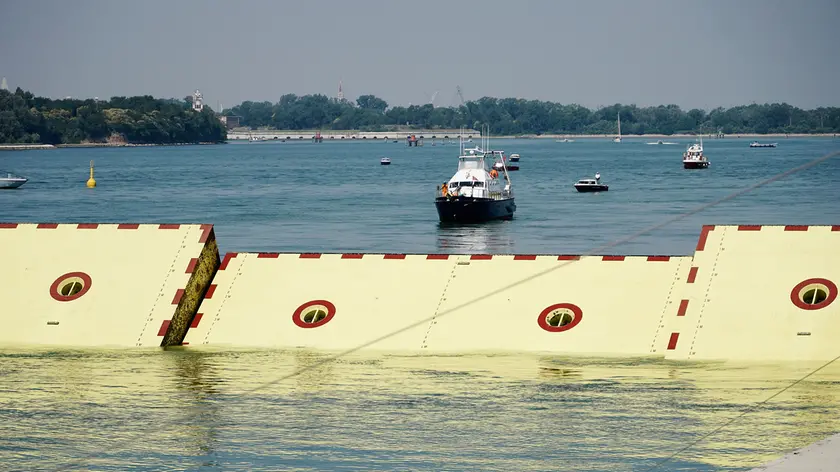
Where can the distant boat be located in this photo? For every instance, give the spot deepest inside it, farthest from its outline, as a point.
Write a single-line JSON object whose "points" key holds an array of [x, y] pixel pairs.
{"points": [[10, 181], [618, 138], [385, 161], [564, 140], [662, 142], [756, 144], [591, 185], [693, 157]]}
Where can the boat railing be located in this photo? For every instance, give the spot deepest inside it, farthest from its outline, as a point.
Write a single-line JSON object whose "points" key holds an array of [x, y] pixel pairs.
{"points": [[502, 194]]}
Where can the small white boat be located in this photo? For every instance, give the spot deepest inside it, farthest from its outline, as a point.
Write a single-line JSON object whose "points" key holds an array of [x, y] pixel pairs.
{"points": [[514, 158], [618, 138], [693, 157], [662, 142], [756, 144], [10, 181], [564, 140], [385, 161], [591, 185]]}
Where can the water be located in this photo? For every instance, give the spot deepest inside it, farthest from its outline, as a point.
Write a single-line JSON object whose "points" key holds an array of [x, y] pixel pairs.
{"points": [[201, 409], [336, 197]]}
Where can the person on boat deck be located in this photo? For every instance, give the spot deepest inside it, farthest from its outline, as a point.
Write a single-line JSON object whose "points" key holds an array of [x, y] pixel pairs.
{"points": [[597, 177], [494, 173], [444, 190]]}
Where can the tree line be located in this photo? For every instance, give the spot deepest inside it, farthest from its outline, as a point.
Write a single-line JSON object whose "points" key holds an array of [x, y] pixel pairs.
{"points": [[25, 118], [515, 116]]}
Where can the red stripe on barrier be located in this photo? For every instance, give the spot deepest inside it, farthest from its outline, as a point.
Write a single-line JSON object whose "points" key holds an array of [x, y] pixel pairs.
{"points": [[310, 255], [47, 225], [128, 226], [704, 234], [672, 342], [206, 231], [394, 256], [163, 327], [481, 257], [191, 265], [169, 226], [659, 258], [749, 228], [692, 275], [835, 228], [796, 228], [210, 291], [352, 256], [683, 308], [178, 295], [268, 255], [8, 225], [525, 257], [612, 258], [438, 257], [226, 260], [196, 320], [87, 226], [568, 258]]}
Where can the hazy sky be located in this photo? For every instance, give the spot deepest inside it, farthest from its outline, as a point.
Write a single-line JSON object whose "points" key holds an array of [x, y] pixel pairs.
{"points": [[594, 52]]}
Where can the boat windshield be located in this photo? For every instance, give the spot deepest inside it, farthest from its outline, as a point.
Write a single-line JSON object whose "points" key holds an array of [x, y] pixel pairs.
{"points": [[470, 162], [466, 183]]}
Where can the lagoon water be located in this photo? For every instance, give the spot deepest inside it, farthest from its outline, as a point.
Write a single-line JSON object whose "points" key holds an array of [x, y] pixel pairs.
{"points": [[204, 409]]}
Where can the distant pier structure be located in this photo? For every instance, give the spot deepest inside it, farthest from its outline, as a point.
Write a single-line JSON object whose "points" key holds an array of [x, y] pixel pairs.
{"points": [[317, 138], [198, 101], [413, 140]]}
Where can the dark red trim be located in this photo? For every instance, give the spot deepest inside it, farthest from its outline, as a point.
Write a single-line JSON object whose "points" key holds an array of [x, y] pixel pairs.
{"points": [[749, 228], [206, 230], [830, 296], [835, 228], [87, 226], [196, 320], [659, 258], [297, 315], [692, 275], [352, 256], [178, 295], [437, 257], [543, 323], [394, 256], [128, 226], [47, 226], [8, 225], [568, 258], [191, 265], [683, 308], [226, 260], [704, 234], [525, 257], [169, 226], [672, 342], [310, 255], [86, 284], [796, 228], [210, 291], [481, 257], [163, 327], [612, 258], [268, 255]]}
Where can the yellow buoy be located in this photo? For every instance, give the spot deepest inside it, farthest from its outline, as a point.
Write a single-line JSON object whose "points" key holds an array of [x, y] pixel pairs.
{"points": [[91, 181]]}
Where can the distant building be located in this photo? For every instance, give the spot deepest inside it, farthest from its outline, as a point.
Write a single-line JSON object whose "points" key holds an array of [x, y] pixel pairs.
{"points": [[3, 84], [198, 101], [340, 92], [230, 122]]}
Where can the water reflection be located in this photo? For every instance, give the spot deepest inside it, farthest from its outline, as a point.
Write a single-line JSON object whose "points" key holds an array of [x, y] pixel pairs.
{"points": [[493, 237]]}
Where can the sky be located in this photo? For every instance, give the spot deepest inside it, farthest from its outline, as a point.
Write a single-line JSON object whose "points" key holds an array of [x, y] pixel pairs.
{"points": [[696, 54]]}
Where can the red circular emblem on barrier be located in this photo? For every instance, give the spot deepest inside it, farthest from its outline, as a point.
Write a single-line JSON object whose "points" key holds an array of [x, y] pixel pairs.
{"points": [[313, 314], [70, 286], [560, 317], [813, 294]]}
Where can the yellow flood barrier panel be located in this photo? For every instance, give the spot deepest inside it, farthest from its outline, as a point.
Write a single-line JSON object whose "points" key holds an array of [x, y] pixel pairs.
{"points": [[760, 293], [95, 284]]}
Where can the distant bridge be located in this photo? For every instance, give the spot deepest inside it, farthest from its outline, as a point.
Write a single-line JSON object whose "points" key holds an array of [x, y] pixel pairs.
{"points": [[351, 135]]}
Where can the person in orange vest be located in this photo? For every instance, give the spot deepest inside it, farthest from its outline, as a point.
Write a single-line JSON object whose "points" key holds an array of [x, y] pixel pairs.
{"points": [[444, 190], [494, 173]]}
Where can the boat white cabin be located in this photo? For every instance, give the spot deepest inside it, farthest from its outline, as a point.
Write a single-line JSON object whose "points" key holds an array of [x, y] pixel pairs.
{"points": [[9, 180], [693, 157], [474, 178]]}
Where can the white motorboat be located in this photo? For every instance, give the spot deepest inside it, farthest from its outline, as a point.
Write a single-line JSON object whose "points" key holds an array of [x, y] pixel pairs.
{"points": [[693, 157], [385, 161], [10, 181]]}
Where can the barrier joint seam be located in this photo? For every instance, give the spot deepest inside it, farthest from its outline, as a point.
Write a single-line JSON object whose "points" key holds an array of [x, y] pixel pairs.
{"points": [[712, 275], [163, 287], [665, 310], [423, 345], [224, 300]]}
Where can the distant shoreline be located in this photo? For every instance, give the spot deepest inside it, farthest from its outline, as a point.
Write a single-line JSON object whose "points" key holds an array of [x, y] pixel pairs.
{"points": [[32, 147]]}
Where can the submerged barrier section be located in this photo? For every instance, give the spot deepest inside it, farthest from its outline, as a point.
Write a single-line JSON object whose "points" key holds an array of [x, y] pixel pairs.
{"points": [[102, 284], [747, 293]]}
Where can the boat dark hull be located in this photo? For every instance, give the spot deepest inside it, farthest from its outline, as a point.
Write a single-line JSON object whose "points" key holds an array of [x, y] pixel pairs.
{"points": [[473, 210], [592, 188], [695, 164]]}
